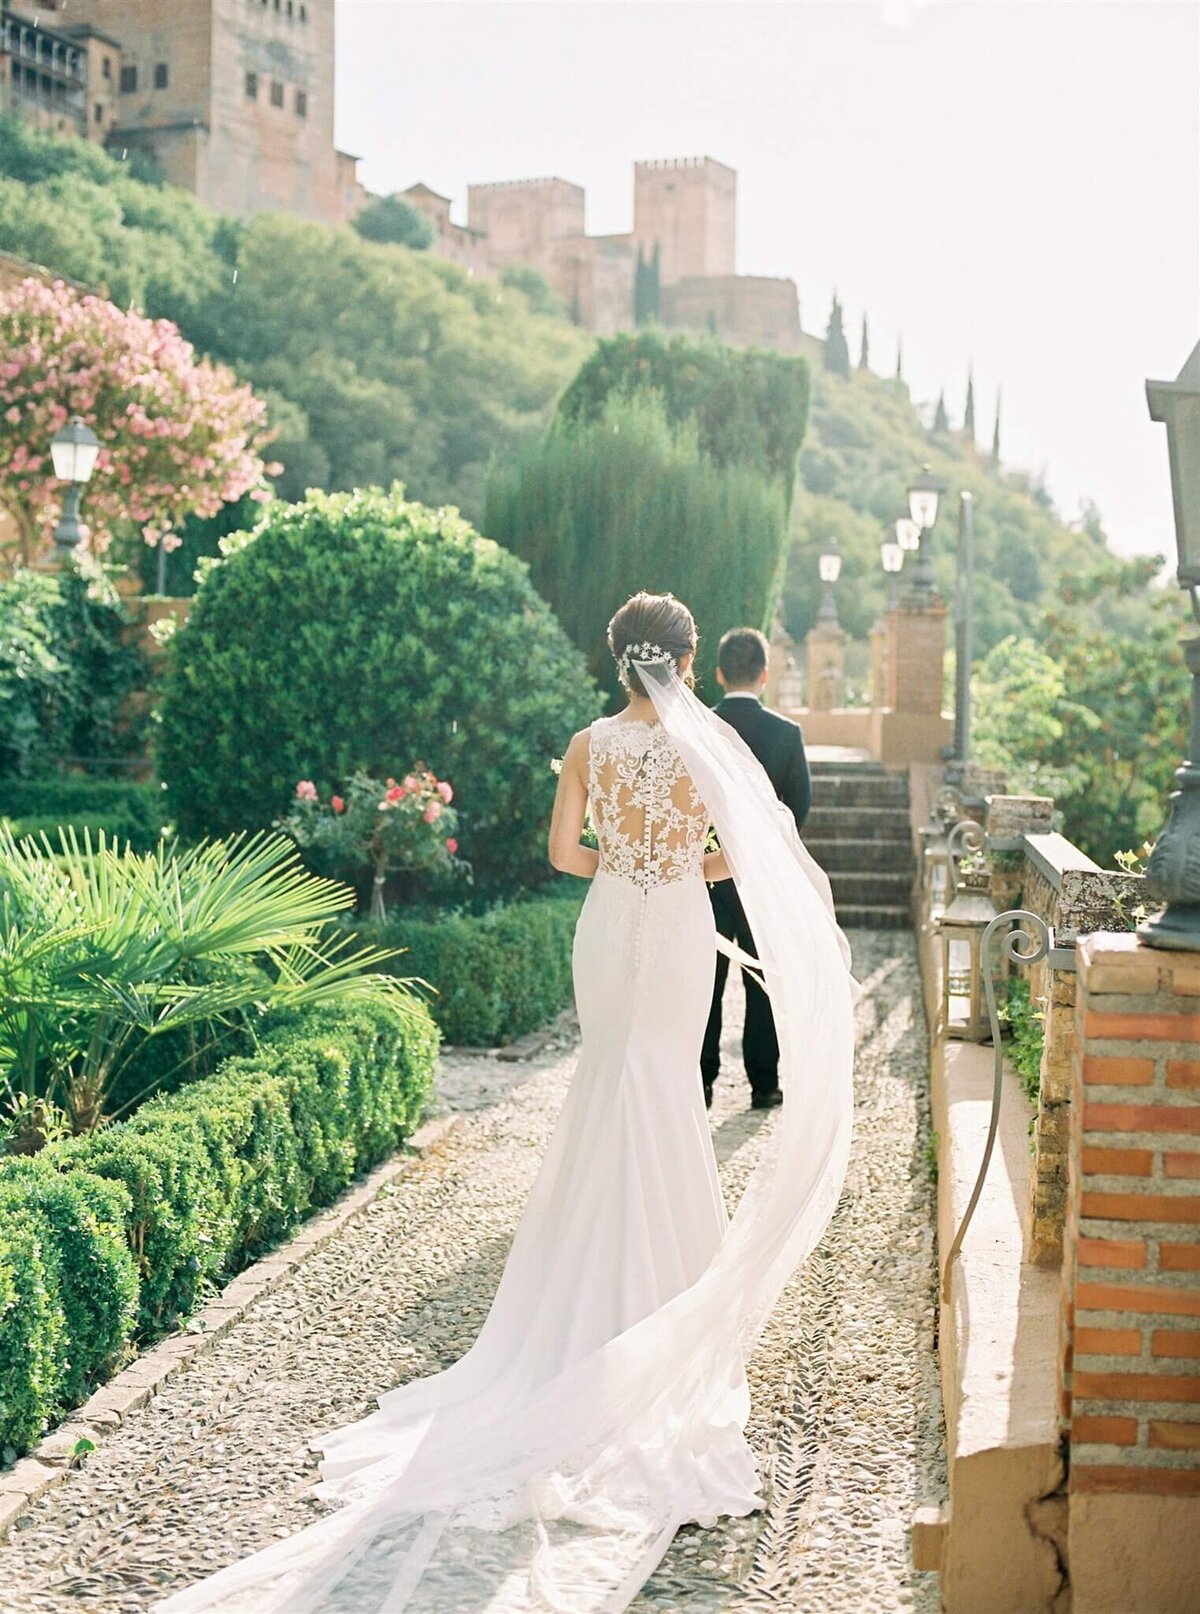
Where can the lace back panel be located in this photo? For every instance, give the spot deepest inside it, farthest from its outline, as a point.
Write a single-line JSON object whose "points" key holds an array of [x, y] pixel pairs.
{"points": [[650, 823]]}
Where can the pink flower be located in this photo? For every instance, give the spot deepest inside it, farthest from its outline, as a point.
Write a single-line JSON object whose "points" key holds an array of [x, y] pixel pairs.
{"points": [[433, 812], [451, 845], [445, 792], [338, 805], [306, 790], [410, 783], [397, 793]]}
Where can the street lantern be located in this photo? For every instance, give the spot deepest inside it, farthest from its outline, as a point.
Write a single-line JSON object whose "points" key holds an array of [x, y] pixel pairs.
{"points": [[923, 496], [1173, 871], [74, 452], [960, 930], [892, 556], [829, 565], [908, 534]]}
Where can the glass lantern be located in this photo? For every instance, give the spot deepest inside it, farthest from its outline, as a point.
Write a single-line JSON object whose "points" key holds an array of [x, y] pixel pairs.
{"points": [[960, 930]]}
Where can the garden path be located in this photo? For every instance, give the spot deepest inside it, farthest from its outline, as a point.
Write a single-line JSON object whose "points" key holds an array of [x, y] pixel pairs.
{"points": [[846, 1406]]}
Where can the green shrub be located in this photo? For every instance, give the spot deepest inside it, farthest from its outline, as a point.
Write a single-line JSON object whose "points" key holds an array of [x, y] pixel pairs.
{"points": [[121, 1234], [362, 631], [497, 975], [1026, 1022], [124, 810], [600, 508]]}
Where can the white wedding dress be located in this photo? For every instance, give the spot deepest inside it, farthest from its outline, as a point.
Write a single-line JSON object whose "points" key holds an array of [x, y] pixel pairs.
{"points": [[604, 1401]]}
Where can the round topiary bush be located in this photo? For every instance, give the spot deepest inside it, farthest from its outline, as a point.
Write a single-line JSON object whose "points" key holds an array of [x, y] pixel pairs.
{"points": [[364, 631]]}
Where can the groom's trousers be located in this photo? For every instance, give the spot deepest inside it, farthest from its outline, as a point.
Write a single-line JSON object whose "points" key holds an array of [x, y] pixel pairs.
{"points": [[760, 1045]]}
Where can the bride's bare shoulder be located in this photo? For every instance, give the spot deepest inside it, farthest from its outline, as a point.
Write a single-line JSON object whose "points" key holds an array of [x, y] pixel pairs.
{"points": [[579, 749]]}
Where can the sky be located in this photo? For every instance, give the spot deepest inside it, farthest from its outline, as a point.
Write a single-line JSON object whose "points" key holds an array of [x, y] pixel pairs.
{"points": [[1008, 185]]}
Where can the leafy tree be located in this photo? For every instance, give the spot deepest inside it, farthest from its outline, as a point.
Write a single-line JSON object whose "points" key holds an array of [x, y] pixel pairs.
{"points": [[996, 432], [899, 359], [864, 347], [177, 434], [602, 506], [534, 287], [747, 407], [392, 219], [358, 631], [646, 288], [969, 410], [941, 421], [837, 354]]}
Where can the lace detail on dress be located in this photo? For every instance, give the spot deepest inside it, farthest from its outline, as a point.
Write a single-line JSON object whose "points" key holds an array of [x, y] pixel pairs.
{"points": [[650, 822]]}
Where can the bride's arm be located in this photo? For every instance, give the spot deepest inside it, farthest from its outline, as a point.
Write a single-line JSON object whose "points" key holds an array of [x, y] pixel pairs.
{"points": [[716, 868], [570, 810]]}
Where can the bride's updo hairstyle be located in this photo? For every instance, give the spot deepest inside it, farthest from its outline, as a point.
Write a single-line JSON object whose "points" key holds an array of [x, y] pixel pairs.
{"points": [[651, 619]]}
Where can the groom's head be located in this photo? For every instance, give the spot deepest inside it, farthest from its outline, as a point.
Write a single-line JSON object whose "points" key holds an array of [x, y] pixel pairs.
{"points": [[742, 661]]}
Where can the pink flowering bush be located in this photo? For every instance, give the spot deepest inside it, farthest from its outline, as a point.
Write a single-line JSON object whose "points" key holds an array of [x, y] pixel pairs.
{"points": [[391, 827], [178, 435]]}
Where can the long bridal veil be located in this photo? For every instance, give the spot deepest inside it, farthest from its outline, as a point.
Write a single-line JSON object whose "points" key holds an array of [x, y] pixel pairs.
{"points": [[564, 1498]]}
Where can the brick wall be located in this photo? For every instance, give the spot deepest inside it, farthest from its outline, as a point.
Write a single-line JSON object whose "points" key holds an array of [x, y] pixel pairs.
{"points": [[916, 652], [1130, 1344]]}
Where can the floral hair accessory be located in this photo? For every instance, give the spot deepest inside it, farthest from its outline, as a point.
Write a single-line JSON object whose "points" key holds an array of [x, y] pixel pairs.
{"points": [[646, 654]]}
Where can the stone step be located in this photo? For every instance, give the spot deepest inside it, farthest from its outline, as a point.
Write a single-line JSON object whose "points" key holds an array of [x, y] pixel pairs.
{"points": [[860, 790], [819, 767], [857, 886], [872, 916], [867, 855], [859, 823]]}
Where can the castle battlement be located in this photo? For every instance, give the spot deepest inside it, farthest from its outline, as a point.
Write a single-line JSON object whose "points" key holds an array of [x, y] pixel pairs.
{"points": [[525, 184], [664, 164]]}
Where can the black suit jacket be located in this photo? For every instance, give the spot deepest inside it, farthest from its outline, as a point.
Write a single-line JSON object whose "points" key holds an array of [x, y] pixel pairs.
{"points": [[778, 743]]}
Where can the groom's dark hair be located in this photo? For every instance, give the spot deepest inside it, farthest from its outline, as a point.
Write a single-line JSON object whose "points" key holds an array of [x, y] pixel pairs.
{"points": [[742, 656]]}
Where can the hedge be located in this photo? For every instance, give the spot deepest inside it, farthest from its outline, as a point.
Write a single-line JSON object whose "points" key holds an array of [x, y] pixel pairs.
{"points": [[117, 1236], [124, 810], [497, 975]]}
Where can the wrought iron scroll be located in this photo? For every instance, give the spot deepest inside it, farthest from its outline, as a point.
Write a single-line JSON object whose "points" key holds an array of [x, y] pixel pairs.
{"points": [[1021, 947], [948, 805], [965, 839]]}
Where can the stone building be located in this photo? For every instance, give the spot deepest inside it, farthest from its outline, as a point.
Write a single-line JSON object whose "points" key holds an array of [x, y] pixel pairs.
{"points": [[458, 242], [234, 98], [685, 208]]}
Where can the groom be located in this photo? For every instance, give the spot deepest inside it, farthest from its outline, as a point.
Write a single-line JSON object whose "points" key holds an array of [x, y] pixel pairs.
{"points": [[779, 745]]}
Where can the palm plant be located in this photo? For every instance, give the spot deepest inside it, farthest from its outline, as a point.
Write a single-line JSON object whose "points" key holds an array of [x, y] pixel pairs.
{"points": [[101, 948]]}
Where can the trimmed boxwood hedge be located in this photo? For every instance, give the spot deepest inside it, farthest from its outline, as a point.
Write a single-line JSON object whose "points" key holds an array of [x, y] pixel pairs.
{"points": [[498, 974], [118, 1236], [124, 809]]}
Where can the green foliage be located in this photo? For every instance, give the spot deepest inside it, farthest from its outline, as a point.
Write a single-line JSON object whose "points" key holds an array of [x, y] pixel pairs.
{"points": [[101, 949], [123, 810], [121, 1234], [747, 408], [533, 286], [837, 352], [602, 507], [647, 287], [66, 673], [497, 975], [969, 410], [864, 347], [391, 218], [353, 629], [1027, 1023], [941, 421]]}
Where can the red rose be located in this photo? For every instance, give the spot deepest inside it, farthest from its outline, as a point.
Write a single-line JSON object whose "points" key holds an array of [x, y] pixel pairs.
{"points": [[451, 845], [338, 805]]}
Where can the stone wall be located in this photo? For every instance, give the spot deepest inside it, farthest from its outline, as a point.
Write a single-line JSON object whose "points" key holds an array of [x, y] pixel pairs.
{"points": [[743, 310], [687, 208]]}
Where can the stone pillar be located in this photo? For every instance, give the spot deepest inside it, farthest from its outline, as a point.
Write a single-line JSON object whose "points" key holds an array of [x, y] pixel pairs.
{"points": [[826, 666], [1130, 1329], [918, 651]]}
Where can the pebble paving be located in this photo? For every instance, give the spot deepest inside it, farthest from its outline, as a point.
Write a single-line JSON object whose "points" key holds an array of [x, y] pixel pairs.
{"points": [[846, 1409]]}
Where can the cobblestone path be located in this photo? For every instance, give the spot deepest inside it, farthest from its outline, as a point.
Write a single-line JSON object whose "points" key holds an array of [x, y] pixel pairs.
{"points": [[846, 1408]]}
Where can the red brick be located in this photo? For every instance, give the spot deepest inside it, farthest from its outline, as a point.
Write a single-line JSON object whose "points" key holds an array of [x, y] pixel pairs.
{"points": [[1142, 1027], [1141, 1118], [1111, 1252], [1183, 1073], [1117, 1162], [1147, 1481], [1121, 1297], [1113, 1386], [1140, 1207], [1110, 1341], [1100, 1070], [1105, 1431], [1179, 1163], [1179, 1257], [1171, 1436], [1175, 1342]]}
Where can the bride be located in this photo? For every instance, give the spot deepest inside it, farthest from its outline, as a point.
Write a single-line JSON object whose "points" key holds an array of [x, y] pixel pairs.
{"points": [[603, 1404]]}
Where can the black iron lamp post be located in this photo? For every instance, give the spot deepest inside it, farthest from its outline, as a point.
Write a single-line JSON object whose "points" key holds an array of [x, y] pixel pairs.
{"points": [[1173, 872], [923, 497], [829, 565], [892, 555], [74, 452], [964, 627]]}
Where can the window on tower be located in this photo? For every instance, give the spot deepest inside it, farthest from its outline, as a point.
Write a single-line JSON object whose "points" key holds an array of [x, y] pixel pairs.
{"points": [[252, 86], [162, 75], [128, 80], [302, 103], [276, 93], [106, 66]]}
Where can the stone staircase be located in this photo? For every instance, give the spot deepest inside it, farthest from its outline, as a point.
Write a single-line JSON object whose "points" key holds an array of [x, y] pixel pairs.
{"points": [[859, 833]]}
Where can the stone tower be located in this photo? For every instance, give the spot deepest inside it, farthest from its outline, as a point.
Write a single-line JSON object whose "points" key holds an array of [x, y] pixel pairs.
{"points": [[233, 97], [686, 207]]}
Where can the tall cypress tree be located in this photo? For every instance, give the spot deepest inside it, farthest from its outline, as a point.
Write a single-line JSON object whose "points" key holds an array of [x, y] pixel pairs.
{"points": [[996, 432], [969, 411], [864, 348], [899, 358], [646, 288], [837, 353], [941, 421]]}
